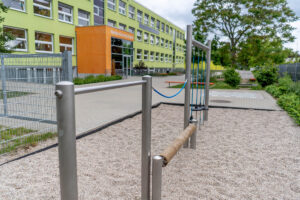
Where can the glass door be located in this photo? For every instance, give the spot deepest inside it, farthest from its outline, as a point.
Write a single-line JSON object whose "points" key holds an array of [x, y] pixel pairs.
{"points": [[127, 68]]}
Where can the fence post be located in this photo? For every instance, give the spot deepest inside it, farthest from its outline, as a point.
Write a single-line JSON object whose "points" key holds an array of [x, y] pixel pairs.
{"points": [[157, 163], [28, 75], [188, 78], [146, 137], [207, 84], [65, 108], [67, 71], [54, 76], [4, 92], [45, 75], [35, 78]]}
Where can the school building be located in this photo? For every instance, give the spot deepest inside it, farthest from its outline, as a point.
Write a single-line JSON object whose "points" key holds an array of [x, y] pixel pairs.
{"points": [[105, 36]]}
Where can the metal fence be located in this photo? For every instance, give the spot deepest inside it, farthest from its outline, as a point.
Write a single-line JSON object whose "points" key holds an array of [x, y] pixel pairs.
{"points": [[292, 69], [27, 102]]}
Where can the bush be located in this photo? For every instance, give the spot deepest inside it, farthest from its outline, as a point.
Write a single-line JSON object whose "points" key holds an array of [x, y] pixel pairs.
{"points": [[274, 90], [222, 85], [95, 79], [266, 76], [295, 88], [291, 103], [232, 77]]}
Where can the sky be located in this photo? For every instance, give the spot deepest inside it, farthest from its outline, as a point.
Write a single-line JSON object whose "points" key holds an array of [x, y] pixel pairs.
{"points": [[179, 13]]}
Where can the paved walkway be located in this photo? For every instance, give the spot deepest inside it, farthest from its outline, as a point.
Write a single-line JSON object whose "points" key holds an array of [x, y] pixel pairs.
{"points": [[96, 109]]}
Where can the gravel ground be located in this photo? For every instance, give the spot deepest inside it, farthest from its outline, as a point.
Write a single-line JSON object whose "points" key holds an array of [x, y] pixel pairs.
{"points": [[241, 154]]}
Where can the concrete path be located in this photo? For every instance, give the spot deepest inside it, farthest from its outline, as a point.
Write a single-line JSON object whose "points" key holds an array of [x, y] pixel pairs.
{"points": [[96, 109]]}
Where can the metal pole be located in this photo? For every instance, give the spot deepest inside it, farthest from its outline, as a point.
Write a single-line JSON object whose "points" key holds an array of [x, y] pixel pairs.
{"points": [[65, 108], [67, 66], [54, 76], [44, 75], [188, 78], [28, 75], [157, 163], [193, 139], [4, 92], [35, 78], [146, 137], [207, 81]]}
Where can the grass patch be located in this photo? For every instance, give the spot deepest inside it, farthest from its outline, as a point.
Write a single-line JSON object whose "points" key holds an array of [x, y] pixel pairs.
{"points": [[26, 142], [164, 74], [95, 79], [222, 85], [12, 94]]}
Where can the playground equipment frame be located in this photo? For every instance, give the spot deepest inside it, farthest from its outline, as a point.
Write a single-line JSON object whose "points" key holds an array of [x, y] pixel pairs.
{"points": [[65, 100]]}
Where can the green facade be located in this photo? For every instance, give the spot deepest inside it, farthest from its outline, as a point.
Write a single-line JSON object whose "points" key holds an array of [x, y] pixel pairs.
{"points": [[32, 23]]}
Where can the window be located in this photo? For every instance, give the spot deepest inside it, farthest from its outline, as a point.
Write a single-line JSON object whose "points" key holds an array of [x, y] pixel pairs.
{"points": [[167, 44], [151, 56], [176, 47], [111, 4], [20, 41], [43, 42], [83, 18], [111, 23], [157, 41], [158, 25], [146, 19], [122, 26], [15, 4], [66, 44], [146, 37], [157, 57], [139, 54], [167, 29], [171, 31], [162, 57], [122, 7], [140, 16], [139, 35], [131, 30], [146, 55], [170, 58], [131, 12], [170, 45], [65, 13], [162, 42], [98, 12], [42, 8], [152, 22], [166, 58], [162, 27], [152, 39], [176, 59]]}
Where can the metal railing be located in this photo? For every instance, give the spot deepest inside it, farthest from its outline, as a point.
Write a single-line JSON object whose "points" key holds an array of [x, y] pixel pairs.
{"points": [[291, 69], [65, 95], [27, 101]]}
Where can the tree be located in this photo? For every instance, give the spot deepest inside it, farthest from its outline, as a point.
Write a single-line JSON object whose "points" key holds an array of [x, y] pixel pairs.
{"points": [[4, 37], [235, 20]]}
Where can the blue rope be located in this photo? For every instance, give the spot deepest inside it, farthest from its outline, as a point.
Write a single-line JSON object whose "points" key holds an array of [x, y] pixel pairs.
{"points": [[169, 97]]}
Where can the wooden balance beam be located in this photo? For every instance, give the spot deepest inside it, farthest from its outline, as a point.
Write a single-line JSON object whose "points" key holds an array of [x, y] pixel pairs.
{"points": [[181, 82]]}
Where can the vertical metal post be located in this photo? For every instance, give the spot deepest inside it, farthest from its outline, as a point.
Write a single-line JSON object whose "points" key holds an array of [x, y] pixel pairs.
{"points": [[157, 163], [35, 78], [44, 76], [17, 74], [188, 78], [28, 75], [146, 137], [67, 71], [193, 140], [54, 76], [65, 108], [207, 82], [4, 92]]}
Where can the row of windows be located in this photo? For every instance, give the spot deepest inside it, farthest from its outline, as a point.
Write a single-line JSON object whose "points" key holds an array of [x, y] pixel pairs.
{"points": [[156, 56], [43, 41], [133, 13], [146, 38], [43, 8]]}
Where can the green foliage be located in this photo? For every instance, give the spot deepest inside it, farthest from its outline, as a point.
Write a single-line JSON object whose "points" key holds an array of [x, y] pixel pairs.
{"points": [[164, 74], [266, 76], [95, 79], [140, 66], [274, 90], [232, 77], [237, 20], [295, 88], [222, 85], [291, 103], [4, 37]]}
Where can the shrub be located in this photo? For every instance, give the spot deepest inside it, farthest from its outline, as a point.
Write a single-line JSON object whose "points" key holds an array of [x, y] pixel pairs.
{"points": [[274, 90], [291, 103], [222, 85], [266, 76], [295, 88], [232, 77]]}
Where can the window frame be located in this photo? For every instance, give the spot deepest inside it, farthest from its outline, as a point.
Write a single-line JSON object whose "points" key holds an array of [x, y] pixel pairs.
{"points": [[146, 19], [157, 57], [152, 56], [131, 28], [131, 12], [19, 39], [113, 4], [122, 10], [162, 57], [84, 19], [152, 39], [125, 26], [43, 7], [139, 54], [44, 42], [139, 35], [157, 41], [67, 45], [152, 22], [114, 22], [146, 37], [139, 17], [64, 13], [16, 9], [146, 55]]}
